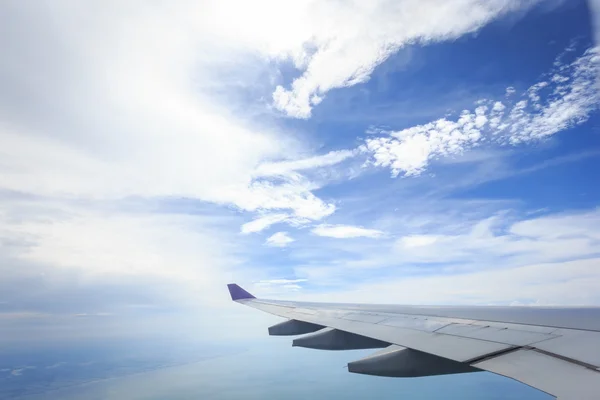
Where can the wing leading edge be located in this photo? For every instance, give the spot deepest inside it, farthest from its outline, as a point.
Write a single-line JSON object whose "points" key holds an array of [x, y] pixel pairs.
{"points": [[556, 350]]}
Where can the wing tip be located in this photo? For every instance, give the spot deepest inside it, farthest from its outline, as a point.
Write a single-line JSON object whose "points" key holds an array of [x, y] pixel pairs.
{"points": [[237, 293]]}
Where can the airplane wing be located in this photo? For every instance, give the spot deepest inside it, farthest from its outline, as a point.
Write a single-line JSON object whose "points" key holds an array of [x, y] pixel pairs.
{"points": [[556, 350]]}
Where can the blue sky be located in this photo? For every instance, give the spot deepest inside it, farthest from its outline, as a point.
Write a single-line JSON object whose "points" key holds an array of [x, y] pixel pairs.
{"points": [[391, 152]]}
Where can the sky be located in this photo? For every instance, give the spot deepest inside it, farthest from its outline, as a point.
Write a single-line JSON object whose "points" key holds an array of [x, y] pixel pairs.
{"points": [[414, 152]]}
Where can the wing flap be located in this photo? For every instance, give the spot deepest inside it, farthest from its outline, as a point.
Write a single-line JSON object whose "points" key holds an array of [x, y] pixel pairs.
{"points": [[552, 375], [577, 345]]}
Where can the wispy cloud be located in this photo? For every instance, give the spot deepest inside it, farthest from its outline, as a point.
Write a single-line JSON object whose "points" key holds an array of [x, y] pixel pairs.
{"points": [[345, 231], [547, 259], [262, 223], [280, 286], [457, 245], [493, 240], [289, 167], [561, 283]]}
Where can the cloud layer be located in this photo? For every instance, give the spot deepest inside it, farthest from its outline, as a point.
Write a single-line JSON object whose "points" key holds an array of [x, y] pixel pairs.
{"points": [[544, 260]]}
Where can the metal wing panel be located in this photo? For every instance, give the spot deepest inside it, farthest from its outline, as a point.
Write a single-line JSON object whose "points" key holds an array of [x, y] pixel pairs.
{"points": [[584, 318], [447, 346], [522, 327], [420, 324], [460, 329], [516, 337], [510, 337], [557, 377], [583, 346], [366, 317]]}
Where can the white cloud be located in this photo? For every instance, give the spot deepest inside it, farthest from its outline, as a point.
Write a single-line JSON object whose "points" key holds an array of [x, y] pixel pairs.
{"points": [[567, 105], [260, 195], [493, 241], [263, 223], [279, 286], [560, 283], [289, 167], [410, 150], [348, 40], [279, 239], [500, 241], [111, 260], [345, 231], [498, 107], [101, 242], [418, 240], [125, 107], [548, 109]]}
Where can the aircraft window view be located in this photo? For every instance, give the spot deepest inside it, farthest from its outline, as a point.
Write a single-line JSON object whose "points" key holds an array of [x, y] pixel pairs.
{"points": [[292, 199]]}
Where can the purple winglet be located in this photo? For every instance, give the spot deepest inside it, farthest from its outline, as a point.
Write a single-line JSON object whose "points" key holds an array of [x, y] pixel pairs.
{"points": [[237, 293]]}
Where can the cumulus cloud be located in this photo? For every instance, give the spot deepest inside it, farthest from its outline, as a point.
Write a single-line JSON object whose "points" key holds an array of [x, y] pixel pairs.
{"points": [[345, 231], [410, 150], [342, 43], [279, 239], [545, 108]]}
